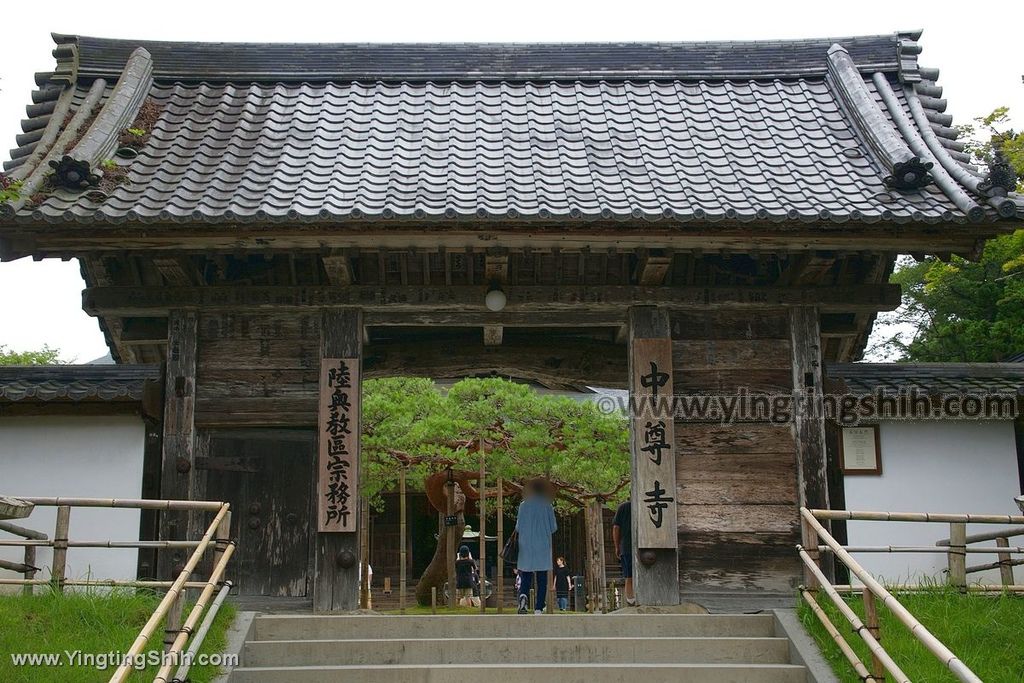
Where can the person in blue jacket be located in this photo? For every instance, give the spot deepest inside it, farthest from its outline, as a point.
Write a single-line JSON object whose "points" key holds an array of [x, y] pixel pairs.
{"points": [[535, 523]]}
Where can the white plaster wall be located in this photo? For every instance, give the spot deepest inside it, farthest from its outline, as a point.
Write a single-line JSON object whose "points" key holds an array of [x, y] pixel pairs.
{"points": [[934, 467], [84, 457]]}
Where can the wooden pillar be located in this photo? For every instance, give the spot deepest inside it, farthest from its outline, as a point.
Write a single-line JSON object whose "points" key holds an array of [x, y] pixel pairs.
{"points": [[655, 504], [177, 470], [500, 513], [336, 562], [958, 555], [808, 416], [594, 577]]}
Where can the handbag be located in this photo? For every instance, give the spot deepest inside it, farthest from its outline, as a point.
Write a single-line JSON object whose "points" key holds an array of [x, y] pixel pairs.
{"points": [[510, 553]]}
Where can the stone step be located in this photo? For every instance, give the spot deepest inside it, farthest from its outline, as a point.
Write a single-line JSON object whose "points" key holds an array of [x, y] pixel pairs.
{"points": [[575, 650], [526, 673], [340, 627]]}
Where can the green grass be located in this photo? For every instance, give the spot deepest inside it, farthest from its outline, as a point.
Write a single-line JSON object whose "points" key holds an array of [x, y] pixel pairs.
{"points": [[985, 631], [95, 622]]}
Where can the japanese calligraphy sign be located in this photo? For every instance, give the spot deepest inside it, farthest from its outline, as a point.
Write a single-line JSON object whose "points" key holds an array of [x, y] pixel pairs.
{"points": [[654, 444], [338, 469]]}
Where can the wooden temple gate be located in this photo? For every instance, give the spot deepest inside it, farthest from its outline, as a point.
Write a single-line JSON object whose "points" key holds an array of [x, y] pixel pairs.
{"points": [[691, 218], [242, 404]]}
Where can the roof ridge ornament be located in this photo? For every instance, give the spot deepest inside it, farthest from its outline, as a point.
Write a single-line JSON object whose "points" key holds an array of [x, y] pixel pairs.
{"points": [[77, 168], [907, 171]]}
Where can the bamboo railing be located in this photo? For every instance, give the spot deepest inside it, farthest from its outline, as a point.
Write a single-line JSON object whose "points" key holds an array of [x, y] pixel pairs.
{"points": [[816, 539], [169, 611]]}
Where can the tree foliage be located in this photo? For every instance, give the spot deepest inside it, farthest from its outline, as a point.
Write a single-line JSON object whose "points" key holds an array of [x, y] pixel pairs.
{"points": [[44, 356], [413, 423], [966, 311]]}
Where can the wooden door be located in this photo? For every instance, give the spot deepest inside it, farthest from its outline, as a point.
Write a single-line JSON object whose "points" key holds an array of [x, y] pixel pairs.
{"points": [[267, 477]]}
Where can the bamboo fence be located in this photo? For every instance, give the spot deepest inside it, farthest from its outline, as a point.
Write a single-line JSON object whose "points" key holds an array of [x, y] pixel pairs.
{"points": [[216, 538], [818, 540]]}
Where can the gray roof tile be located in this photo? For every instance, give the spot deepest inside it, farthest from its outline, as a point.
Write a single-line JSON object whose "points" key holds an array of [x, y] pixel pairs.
{"points": [[708, 131]]}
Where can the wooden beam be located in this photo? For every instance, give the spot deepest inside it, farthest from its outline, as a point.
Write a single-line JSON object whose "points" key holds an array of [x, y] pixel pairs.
{"points": [[493, 335], [336, 562], [653, 267], [55, 240], [338, 269], [154, 301], [144, 331], [655, 569], [177, 471], [172, 271]]}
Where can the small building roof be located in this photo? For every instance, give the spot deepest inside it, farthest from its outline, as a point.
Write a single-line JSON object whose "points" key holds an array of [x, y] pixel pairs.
{"points": [[931, 378], [808, 131], [76, 383]]}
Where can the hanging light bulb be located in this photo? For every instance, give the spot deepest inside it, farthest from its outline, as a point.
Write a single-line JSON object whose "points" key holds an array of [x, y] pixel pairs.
{"points": [[495, 299]]}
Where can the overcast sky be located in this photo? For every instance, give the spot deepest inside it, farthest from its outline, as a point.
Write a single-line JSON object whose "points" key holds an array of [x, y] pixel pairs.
{"points": [[40, 303]]}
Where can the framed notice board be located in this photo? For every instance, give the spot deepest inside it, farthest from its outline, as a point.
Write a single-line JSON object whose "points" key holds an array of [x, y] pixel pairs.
{"points": [[860, 450]]}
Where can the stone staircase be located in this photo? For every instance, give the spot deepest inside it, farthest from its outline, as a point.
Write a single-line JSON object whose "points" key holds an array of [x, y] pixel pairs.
{"points": [[712, 648]]}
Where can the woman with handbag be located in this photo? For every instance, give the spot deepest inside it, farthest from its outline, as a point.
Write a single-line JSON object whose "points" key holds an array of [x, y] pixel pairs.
{"points": [[535, 524]]}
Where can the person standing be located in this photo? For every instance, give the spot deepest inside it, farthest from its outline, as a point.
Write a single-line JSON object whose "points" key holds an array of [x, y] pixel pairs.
{"points": [[535, 523], [622, 537], [563, 584], [465, 577]]}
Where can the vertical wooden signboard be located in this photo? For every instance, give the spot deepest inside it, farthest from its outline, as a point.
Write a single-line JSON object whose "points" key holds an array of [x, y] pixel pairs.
{"points": [[654, 444], [338, 469]]}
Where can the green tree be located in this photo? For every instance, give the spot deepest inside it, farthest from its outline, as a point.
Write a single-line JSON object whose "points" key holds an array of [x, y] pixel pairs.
{"points": [[966, 311], [44, 356], [412, 424]]}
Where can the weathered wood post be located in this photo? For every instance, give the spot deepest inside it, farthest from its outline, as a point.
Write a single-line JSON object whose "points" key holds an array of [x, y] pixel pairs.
{"points": [[653, 490], [404, 540], [809, 422], [873, 625], [221, 538], [594, 573], [177, 470], [336, 566], [1005, 562], [60, 547], [958, 555], [30, 574]]}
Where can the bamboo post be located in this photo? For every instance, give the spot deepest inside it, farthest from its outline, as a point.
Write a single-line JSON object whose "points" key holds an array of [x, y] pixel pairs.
{"points": [[60, 547], [549, 604], [1005, 562], [483, 528], [222, 538], [533, 595], [958, 554], [873, 626], [501, 545], [809, 542], [830, 628], [403, 541], [433, 599], [30, 574], [450, 537]]}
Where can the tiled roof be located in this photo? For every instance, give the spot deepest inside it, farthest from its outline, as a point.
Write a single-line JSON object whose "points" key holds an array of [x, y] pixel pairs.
{"points": [[75, 382], [933, 378], [772, 131]]}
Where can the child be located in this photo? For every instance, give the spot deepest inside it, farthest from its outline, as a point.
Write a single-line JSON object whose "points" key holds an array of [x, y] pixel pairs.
{"points": [[563, 584]]}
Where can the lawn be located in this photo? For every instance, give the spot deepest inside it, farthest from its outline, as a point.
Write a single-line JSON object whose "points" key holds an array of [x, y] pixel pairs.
{"points": [[97, 622], [985, 632]]}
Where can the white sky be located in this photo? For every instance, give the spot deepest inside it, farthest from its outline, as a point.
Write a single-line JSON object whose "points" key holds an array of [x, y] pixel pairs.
{"points": [[40, 303]]}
